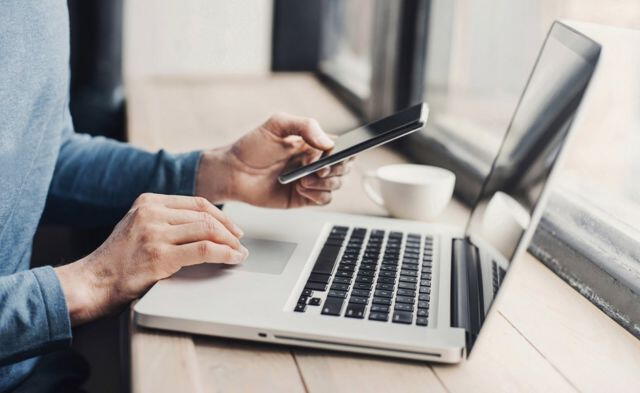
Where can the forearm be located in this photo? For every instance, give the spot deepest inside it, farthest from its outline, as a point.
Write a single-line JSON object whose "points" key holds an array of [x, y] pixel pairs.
{"points": [[33, 317], [100, 178]]}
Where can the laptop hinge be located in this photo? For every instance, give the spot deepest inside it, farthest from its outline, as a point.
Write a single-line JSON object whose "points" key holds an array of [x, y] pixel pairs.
{"points": [[467, 304]]}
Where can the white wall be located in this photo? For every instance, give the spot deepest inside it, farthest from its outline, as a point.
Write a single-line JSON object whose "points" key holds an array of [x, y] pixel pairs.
{"points": [[197, 37]]}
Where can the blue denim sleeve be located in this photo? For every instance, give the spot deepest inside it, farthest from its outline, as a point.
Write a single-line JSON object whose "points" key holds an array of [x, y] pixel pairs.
{"points": [[97, 179], [33, 315]]}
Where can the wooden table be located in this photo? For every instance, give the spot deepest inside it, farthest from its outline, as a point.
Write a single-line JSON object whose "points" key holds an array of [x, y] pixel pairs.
{"points": [[542, 337]]}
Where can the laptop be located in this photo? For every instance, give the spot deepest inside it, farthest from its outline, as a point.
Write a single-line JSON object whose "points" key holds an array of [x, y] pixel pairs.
{"points": [[383, 286]]}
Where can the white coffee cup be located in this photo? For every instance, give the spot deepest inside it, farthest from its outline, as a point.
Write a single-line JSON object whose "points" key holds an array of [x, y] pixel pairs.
{"points": [[416, 192]]}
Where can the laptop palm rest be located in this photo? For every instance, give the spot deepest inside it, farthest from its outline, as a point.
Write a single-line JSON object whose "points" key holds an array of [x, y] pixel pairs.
{"points": [[265, 256]]}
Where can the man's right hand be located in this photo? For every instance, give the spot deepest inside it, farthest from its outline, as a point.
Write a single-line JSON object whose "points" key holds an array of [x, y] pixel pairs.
{"points": [[159, 235]]}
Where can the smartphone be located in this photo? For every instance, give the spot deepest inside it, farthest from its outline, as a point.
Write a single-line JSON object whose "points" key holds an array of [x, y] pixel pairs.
{"points": [[364, 138]]}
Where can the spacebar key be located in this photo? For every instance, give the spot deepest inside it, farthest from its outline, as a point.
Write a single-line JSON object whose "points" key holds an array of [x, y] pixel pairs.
{"points": [[326, 260], [332, 306]]}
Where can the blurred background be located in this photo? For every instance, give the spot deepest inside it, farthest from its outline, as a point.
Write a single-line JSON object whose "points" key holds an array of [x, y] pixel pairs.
{"points": [[469, 59], [163, 73]]}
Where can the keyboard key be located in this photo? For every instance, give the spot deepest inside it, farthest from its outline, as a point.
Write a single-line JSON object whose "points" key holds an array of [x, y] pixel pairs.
{"points": [[388, 268], [361, 292], [402, 317], [403, 307], [359, 231], [409, 266], [425, 297], [423, 312], [314, 301], [339, 287], [379, 308], [408, 279], [340, 294], [346, 267], [364, 279], [341, 280], [402, 299], [369, 273], [355, 311], [316, 286], [407, 285], [406, 292], [388, 274], [382, 300], [423, 304], [409, 273], [358, 300], [307, 292], [385, 286], [317, 277], [421, 321], [379, 316], [332, 306], [303, 299], [363, 285], [300, 307], [383, 293], [326, 260], [425, 290], [386, 280]]}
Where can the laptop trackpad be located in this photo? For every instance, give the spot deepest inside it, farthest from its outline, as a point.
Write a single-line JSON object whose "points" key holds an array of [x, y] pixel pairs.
{"points": [[266, 256]]}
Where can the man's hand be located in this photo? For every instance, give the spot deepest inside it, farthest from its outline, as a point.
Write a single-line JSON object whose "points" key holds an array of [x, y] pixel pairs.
{"points": [[248, 170], [158, 236]]}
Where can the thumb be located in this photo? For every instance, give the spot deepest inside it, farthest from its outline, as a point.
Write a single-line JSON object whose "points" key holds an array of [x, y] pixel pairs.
{"points": [[283, 125]]}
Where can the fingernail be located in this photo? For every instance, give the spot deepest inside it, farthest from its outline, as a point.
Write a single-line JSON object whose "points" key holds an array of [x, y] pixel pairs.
{"points": [[325, 140], [244, 250], [238, 257], [237, 230]]}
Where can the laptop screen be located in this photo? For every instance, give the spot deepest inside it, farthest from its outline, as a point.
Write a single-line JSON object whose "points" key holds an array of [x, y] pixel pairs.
{"points": [[504, 209]]}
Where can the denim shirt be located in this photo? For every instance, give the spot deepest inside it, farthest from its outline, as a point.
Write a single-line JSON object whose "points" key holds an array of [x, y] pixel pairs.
{"points": [[50, 173]]}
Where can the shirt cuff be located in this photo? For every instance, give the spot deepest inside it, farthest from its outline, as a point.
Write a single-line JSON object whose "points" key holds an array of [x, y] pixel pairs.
{"points": [[55, 305], [188, 168]]}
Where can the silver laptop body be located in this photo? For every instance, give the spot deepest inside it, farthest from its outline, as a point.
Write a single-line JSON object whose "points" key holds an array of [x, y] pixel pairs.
{"points": [[384, 286]]}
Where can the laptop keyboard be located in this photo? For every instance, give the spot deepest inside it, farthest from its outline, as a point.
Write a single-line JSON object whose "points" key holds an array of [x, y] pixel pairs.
{"points": [[381, 276], [497, 273]]}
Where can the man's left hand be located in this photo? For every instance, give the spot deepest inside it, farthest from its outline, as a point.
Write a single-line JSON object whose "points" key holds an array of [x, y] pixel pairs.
{"points": [[248, 170]]}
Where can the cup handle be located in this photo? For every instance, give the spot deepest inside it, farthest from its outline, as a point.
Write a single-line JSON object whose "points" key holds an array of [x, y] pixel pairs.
{"points": [[371, 192]]}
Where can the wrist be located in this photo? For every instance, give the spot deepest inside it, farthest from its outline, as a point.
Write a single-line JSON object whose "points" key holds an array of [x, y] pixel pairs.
{"points": [[214, 179], [76, 282]]}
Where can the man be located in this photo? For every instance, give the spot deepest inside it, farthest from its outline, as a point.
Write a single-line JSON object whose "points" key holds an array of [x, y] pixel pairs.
{"points": [[95, 181]]}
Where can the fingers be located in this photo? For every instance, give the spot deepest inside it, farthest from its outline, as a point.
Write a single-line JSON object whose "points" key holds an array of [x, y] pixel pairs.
{"points": [[210, 230], [284, 125], [205, 251], [317, 197], [189, 203], [340, 169], [313, 182]]}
